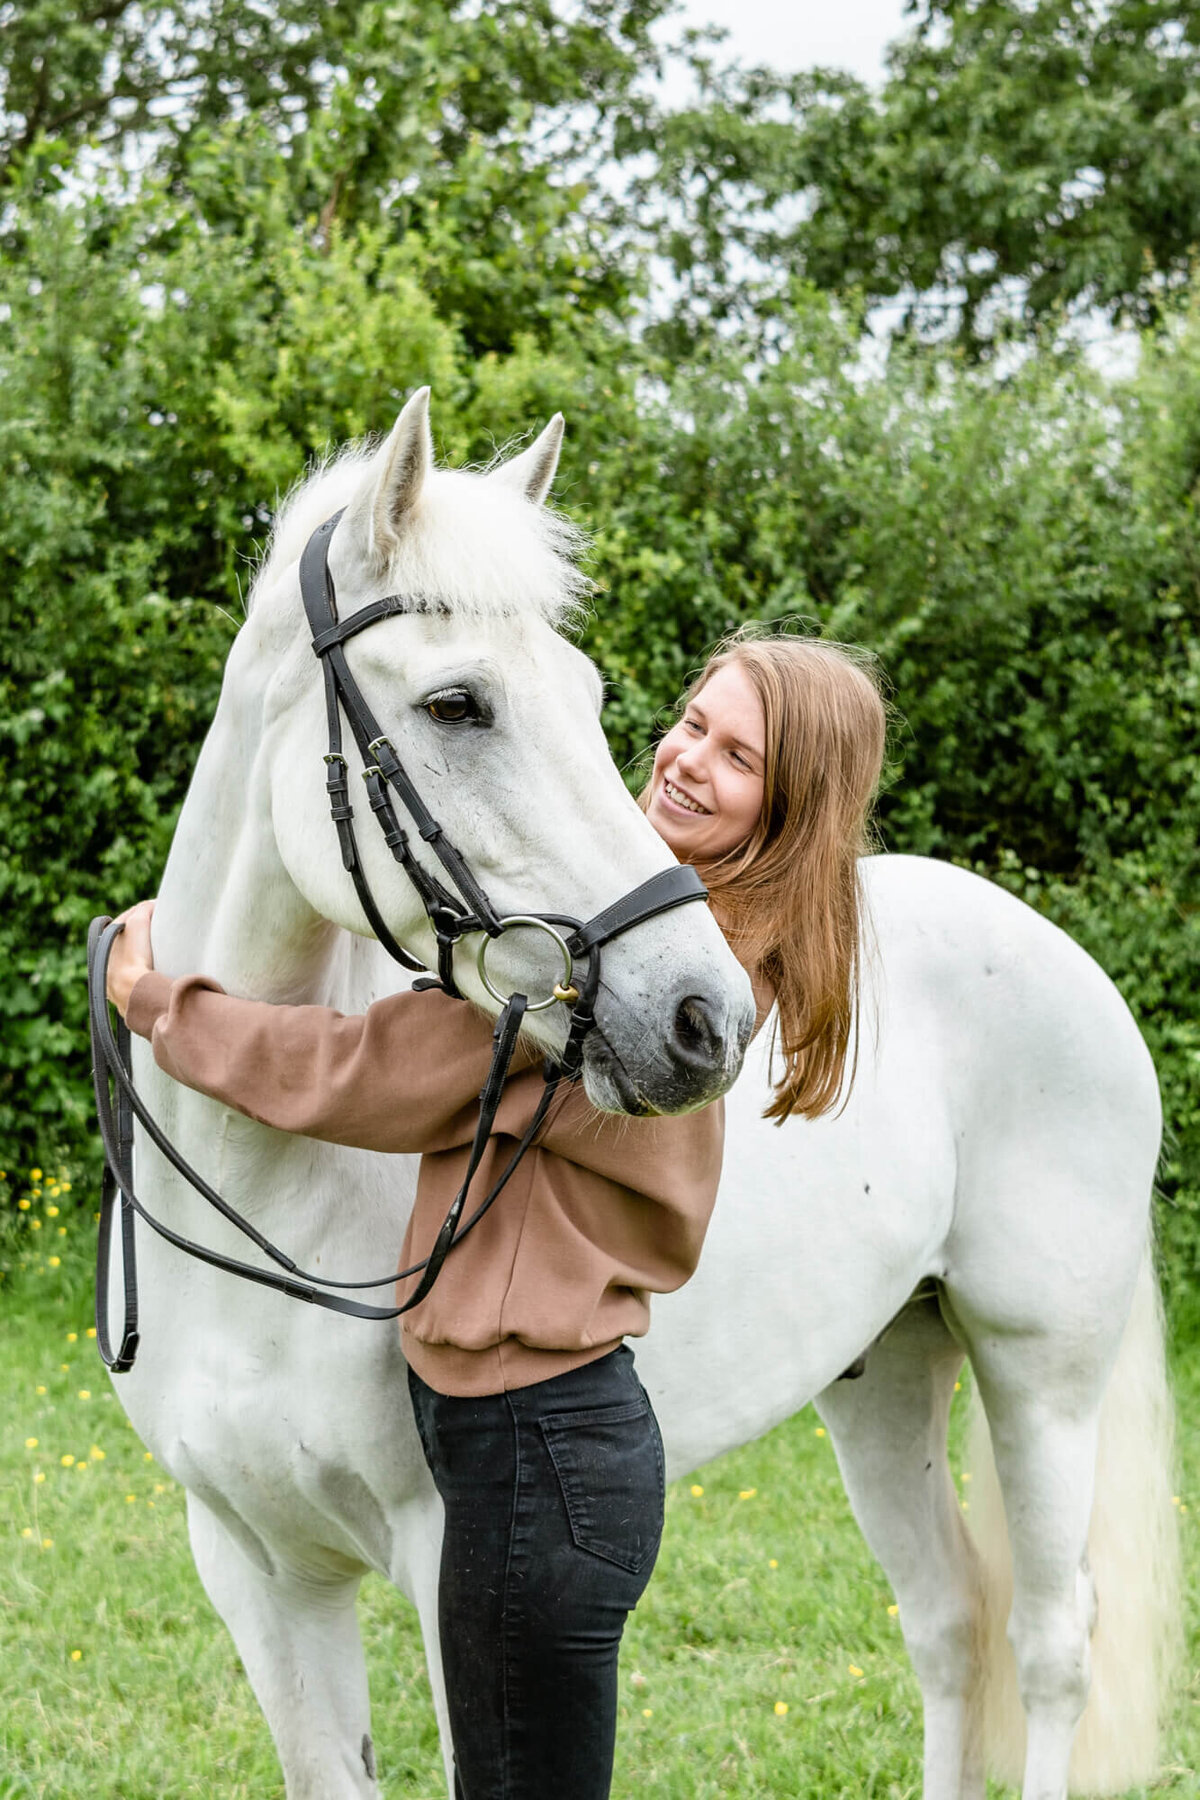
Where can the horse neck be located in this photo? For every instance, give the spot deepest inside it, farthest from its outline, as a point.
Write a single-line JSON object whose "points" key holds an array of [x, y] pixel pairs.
{"points": [[227, 906]]}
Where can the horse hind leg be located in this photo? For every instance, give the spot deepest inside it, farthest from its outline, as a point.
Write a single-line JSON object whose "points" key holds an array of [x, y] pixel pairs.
{"points": [[1089, 1549], [889, 1432], [1084, 1460], [1044, 1436], [298, 1638]]}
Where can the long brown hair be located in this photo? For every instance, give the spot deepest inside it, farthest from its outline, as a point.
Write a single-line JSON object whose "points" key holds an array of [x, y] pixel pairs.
{"points": [[788, 899]]}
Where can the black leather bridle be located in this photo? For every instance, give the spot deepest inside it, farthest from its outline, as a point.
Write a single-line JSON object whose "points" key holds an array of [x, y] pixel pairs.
{"points": [[454, 913]]}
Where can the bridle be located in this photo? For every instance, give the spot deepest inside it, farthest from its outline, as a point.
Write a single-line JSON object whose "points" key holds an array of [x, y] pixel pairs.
{"points": [[455, 911]]}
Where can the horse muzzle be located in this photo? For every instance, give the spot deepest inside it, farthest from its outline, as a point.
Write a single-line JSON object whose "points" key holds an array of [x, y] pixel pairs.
{"points": [[693, 1060]]}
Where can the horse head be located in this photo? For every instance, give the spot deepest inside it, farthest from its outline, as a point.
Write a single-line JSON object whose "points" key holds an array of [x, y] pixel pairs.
{"points": [[495, 716]]}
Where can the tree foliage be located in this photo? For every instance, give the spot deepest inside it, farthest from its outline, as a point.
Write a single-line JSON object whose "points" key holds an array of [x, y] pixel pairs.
{"points": [[1021, 551], [1023, 157], [476, 130]]}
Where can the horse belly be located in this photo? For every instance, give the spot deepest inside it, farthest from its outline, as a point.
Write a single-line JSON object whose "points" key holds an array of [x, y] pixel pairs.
{"points": [[821, 1231]]}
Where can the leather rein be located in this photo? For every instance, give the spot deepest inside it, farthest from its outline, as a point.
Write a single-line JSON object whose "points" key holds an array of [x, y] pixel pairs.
{"points": [[454, 912]]}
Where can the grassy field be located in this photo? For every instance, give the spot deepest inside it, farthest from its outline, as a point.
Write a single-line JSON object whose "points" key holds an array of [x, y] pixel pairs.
{"points": [[765, 1660]]}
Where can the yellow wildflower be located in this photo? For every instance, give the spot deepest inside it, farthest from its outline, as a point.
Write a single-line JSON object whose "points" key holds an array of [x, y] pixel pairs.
{"points": [[39, 1478], [820, 1431], [747, 1493], [52, 1211], [130, 1499], [76, 1655], [67, 1461], [781, 1707], [85, 1393], [35, 1224], [31, 1443], [697, 1490], [40, 1389], [647, 1712], [72, 1337], [893, 1611], [35, 1174], [91, 1331], [24, 1205], [96, 1453], [854, 1670], [47, 1543], [27, 1532], [54, 1261], [773, 1563]]}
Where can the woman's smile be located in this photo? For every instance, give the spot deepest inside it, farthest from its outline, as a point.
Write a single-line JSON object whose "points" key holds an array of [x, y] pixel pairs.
{"points": [[677, 797]]}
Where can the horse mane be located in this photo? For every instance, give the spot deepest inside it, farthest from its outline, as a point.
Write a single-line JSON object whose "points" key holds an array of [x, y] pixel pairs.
{"points": [[476, 545]]}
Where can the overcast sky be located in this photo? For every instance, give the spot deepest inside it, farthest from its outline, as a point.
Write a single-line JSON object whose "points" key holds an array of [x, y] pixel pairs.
{"points": [[799, 34]]}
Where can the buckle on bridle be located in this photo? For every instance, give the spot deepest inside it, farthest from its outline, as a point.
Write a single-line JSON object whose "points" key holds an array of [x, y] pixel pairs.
{"points": [[384, 752]]}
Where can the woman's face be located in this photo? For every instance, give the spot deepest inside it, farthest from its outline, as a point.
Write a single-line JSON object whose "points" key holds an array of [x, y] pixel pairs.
{"points": [[706, 792]]}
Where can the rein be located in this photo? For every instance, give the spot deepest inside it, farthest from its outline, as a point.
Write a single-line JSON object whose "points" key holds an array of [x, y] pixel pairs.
{"points": [[453, 916]]}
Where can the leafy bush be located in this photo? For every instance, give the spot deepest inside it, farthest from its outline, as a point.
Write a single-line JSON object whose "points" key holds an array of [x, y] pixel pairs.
{"points": [[1020, 551], [1022, 554]]}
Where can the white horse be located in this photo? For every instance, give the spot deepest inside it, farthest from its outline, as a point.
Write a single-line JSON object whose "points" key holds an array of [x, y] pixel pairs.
{"points": [[985, 1190]]}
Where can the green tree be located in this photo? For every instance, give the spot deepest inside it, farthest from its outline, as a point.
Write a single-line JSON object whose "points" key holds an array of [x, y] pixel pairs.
{"points": [[479, 131], [1022, 155]]}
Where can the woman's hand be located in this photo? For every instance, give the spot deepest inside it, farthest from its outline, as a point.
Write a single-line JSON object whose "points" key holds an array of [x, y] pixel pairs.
{"points": [[131, 956]]}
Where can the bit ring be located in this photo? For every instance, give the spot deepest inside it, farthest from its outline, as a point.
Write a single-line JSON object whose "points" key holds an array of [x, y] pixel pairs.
{"points": [[564, 990]]}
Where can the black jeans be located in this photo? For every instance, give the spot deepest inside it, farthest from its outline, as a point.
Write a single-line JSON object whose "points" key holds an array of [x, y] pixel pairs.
{"points": [[554, 1508]]}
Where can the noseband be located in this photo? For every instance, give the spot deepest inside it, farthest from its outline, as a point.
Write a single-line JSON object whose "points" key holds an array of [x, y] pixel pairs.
{"points": [[454, 912]]}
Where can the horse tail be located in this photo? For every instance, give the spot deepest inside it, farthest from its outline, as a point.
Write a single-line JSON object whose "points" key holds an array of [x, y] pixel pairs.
{"points": [[1133, 1552]]}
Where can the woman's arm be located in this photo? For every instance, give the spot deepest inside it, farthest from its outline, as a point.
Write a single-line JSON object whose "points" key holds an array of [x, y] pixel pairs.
{"points": [[396, 1077]]}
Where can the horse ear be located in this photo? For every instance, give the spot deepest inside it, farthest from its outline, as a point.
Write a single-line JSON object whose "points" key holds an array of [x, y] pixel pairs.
{"points": [[532, 472], [397, 474]]}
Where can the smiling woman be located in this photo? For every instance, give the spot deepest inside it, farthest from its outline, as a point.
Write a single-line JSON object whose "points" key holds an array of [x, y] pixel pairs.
{"points": [[765, 783]]}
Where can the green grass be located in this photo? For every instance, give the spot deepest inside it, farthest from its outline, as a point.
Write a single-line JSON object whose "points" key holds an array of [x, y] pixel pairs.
{"points": [[117, 1678]]}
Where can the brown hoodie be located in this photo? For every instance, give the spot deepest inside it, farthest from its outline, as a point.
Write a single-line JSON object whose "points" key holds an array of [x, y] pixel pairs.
{"points": [[602, 1210]]}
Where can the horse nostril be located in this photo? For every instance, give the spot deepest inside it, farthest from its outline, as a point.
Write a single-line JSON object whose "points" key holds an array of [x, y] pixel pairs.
{"points": [[697, 1040]]}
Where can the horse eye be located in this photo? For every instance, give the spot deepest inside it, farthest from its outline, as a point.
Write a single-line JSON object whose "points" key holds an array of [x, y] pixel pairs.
{"points": [[454, 707]]}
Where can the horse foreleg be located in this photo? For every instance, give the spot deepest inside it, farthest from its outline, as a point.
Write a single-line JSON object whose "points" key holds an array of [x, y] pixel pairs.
{"points": [[297, 1635], [418, 1550], [889, 1432]]}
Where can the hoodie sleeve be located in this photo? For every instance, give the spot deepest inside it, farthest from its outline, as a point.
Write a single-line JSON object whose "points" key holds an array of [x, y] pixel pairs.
{"points": [[396, 1077]]}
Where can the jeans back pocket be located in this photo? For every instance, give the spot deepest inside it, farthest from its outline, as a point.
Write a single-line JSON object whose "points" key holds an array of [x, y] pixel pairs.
{"points": [[609, 1463]]}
